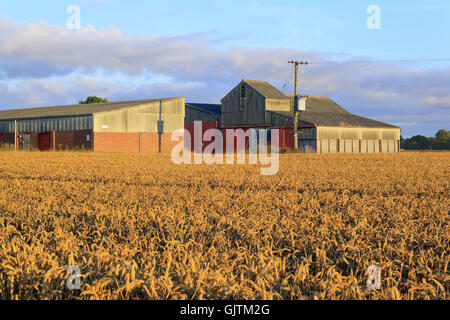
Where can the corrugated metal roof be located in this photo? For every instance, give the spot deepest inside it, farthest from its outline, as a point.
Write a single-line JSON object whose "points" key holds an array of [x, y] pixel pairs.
{"points": [[323, 111], [210, 108], [319, 110], [72, 110], [266, 89], [323, 105], [336, 119]]}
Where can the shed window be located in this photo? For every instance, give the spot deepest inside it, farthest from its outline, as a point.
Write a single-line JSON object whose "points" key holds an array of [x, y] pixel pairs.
{"points": [[88, 137], [242, 102]]}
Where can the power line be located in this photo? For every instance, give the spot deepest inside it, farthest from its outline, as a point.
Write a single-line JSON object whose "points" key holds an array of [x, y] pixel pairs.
{"points": [[285, 84], [289, 79], [380, 61]]}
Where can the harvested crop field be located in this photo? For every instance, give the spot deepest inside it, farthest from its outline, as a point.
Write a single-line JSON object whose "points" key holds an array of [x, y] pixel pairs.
{"points": [[139, 227]]}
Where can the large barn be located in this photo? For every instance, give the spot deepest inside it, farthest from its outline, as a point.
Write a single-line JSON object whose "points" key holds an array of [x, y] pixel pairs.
{"points": [[130, 126], [324, 127]]}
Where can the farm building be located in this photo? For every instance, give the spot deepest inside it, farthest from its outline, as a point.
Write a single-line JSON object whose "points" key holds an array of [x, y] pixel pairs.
{"points": [[324, 126], [131, 126], [147, 125], [208, 114]]}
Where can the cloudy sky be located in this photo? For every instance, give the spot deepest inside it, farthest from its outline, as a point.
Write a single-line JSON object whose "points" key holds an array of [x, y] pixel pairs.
{"points": [[201, 49]]}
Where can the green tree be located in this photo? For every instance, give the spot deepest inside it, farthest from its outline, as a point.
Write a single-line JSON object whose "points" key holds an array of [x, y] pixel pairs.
{"points": [[442, 140], [94, 99], [417, 143]]}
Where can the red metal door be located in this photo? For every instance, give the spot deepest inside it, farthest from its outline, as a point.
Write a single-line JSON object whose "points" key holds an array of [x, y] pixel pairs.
{"points": [[45, 141]]}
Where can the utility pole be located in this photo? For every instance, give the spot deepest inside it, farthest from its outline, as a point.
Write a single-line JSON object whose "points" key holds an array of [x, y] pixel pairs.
{"points": [[160, 127], [296, 102]]}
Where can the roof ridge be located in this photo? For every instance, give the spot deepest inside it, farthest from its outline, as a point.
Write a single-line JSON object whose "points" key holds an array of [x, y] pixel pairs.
{"points": [[258, 81], [308, 96], [206, 104], [75, 109], [200, 109], [90, 104], [266, 89]]}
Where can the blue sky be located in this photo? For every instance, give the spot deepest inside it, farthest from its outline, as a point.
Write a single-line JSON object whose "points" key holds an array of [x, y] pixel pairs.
{"points": [[201, 49]]}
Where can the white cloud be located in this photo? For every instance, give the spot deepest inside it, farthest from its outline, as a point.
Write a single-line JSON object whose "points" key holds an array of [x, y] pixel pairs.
{"points": [[55, 66]]}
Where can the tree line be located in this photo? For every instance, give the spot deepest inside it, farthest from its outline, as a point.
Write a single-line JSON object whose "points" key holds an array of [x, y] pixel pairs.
{"points": [[441, 141]]}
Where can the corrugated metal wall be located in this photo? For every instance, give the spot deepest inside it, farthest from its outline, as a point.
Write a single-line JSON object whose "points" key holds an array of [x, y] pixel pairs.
{"points": [[278, 105], [143, 118], [324, 148], [307, 146], [348, 146], [358, 133], [333, 145], [307, 133], [351, 146], [364, 146], [277, 120], [253, 112], [50, 124], [193, 114], [357, 140]]}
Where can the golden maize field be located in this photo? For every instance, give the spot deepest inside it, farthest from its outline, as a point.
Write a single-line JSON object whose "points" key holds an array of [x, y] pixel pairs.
{"points": [[140, 227]]}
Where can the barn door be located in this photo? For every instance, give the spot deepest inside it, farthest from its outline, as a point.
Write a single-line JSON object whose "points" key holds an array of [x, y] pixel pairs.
{"points": [[45, 141], [26, 141]]}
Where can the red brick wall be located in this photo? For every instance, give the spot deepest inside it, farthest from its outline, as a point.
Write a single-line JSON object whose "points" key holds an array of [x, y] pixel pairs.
{"points": [[73, 140], [65, 140], [116, 142], [34, 140], [132, 142], [150, 142], [7, 138], [101, 141]]}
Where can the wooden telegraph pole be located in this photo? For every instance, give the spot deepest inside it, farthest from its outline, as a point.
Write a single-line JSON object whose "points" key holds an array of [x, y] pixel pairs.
{"points": [[160, 127], [296, 102]]}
